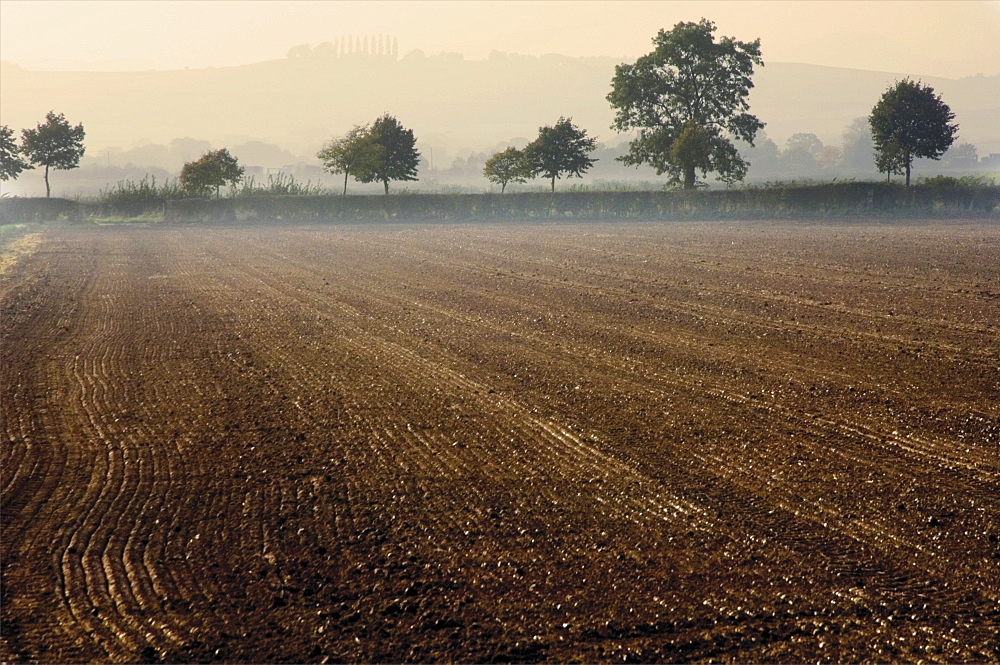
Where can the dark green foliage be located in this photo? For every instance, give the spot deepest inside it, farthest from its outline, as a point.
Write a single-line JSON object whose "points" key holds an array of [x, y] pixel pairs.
{"points": [[688, 81], [849, 199], [910, 121], [506, 167], [353, 154], [22, 210], [397, 155], [560, 149], [53, 144], [692, 150], [11, 161], [213, 170]]}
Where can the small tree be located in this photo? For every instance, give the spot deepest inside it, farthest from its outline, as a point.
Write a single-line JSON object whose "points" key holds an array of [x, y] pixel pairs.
{"points": [[11, 161], [506, 167], [560, 148], [688, 78], [397, 155], [890, 160], [353, 154], [910, 121], [213, 170], [53, 144]]}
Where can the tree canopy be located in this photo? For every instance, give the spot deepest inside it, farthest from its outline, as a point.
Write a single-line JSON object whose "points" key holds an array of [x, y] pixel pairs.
{"points": [[506, 167], [910, 121], [801, 153], [53, 144], [688, 85], [213, 170], [397, 155], [352, 154], [11, 161], [560, 148]]}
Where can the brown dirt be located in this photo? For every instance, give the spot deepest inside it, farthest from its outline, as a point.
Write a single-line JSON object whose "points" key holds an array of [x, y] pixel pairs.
{"points": [[664, 442]]}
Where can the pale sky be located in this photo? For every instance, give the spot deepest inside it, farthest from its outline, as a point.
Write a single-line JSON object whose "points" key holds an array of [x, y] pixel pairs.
{"points": [[933, 38]]}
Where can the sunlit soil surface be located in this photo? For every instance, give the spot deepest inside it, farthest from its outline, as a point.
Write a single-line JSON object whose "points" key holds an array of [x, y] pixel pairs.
{"points": [[664, 442]]}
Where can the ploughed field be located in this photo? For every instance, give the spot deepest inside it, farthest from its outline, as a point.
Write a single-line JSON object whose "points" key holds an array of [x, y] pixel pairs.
{"points": [[662, 442]]}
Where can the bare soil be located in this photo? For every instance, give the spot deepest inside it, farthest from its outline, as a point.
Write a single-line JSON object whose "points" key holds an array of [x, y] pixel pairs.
{"points": [[660, 442]]}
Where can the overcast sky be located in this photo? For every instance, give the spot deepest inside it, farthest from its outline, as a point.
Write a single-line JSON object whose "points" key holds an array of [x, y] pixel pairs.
{"points": [[933, 38]]}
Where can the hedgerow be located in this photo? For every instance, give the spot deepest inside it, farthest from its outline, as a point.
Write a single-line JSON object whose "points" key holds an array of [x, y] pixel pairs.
{"points": [[948, 197]]}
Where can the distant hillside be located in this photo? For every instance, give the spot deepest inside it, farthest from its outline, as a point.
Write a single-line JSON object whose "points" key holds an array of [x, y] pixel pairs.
{"points": [[450, 103]]}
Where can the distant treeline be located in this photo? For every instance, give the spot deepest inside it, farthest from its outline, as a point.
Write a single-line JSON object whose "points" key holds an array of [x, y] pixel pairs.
{"points": [[941, 197]]}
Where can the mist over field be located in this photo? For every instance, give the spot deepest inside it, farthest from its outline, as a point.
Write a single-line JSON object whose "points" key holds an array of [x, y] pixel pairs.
{"points": [[349, 332], [276, 114]]}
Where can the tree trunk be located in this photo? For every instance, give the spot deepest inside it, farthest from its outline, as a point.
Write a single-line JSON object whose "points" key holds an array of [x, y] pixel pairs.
{"points": [[503, 186], [47, 190], [908, 160], [553, 184], [345, 183], [688, 177], [386, 183]]}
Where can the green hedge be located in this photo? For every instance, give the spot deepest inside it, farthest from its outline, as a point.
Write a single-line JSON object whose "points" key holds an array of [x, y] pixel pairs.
{"points": [[836, 199], [848, 199], [16, 210]]}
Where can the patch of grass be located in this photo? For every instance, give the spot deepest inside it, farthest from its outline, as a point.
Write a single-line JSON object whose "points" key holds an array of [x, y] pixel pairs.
{"points": [[16, 240], [276, 185], [144, 218], [131, 192]]}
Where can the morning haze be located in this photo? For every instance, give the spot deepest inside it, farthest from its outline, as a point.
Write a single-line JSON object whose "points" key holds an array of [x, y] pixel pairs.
{"points": [[278, 79]]}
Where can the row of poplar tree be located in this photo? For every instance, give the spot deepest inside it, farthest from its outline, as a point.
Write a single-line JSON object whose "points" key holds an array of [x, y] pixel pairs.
{"points": [[686, 101]]}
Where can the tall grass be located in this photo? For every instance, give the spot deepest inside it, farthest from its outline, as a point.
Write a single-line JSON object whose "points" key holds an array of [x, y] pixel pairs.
{"points": [[277, 185], [131, 192]]}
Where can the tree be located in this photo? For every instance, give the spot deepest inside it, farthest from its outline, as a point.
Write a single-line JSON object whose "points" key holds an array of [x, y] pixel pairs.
{"points": [[560, 148], [54, 144], [352, 154], [857, 144], [688, 80], [910, 121], [830, 157], [890, 160], [11, 161], [962, 156], [398, 157], [506, 167], [763, 154], [801, 153], [213, 170]]}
